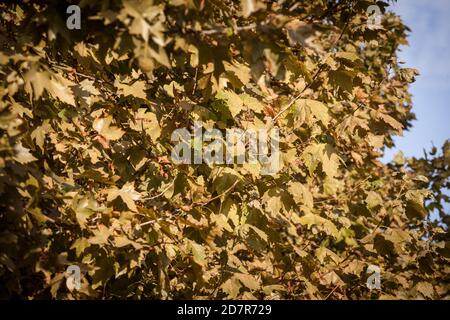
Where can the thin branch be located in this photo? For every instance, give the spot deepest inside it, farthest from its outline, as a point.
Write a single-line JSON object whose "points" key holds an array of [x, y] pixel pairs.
{"points": [[334, 289], [319, 70], [159, 194]]}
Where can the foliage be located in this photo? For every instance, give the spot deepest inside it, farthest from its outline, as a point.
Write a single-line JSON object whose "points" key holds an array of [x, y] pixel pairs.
{"points": [[87, 179]]}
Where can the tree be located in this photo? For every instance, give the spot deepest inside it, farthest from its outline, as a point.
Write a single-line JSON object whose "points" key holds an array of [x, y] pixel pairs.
{"points": [[87, 179]]}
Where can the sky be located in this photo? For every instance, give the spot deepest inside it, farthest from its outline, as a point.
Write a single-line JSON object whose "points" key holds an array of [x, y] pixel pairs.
{"points": [[429, 52]]}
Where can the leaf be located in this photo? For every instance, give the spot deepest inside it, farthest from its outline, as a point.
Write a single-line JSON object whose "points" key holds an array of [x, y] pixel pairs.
{"points": [[103, 127], [231, 287], [221, 221], [317, 109], [391, 121], [251, 103], [59, 88], [426, 289], [80, 245], [311, 219], [376, 141], [36, 82], [373, 200], [224, 179], [123, 241], [415, 204], [39, 134], [330, 162], [301, 194], [198, 251], [399, 158], [383, 246], [84, 208], [232, 100], [321, 153], [100, 236], [350, 56], [127, 194], [22, 154], [248, 281], [147, 121], [137, 89], [238, 74], [312, 156], [342, 79]]}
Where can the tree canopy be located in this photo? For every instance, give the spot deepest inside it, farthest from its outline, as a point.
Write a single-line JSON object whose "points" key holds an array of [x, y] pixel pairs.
{"points": [[86, 176]]}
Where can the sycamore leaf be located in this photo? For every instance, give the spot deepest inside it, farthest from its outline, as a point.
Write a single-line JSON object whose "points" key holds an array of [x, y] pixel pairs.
{"points": [[198, 251], [23, 155], [36, 82], [123, 241], [39, 134], [301, 194], [330, 162], [104, 128], [147, 121], [311, 219], [101, 235], [137, 89], [373, 200], [312, 156], [237, 73], [391, 121], [127, 194], [60, 88], [317, 153], [80, 245], [225, 179], [231, 287], [251, 103], [247, 280], [316, 108], [415, 204], [350, 56], [426, 289], [342, 79], [232, 100]]}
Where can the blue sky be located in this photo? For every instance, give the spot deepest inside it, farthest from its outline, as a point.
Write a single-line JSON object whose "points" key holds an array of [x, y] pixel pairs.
{"points": [[429, 52]]}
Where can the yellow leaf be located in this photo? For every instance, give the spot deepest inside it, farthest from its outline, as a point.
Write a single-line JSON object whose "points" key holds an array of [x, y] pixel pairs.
{"points": [[248, 281], [103, 127], [233, 101], [127, 194]]}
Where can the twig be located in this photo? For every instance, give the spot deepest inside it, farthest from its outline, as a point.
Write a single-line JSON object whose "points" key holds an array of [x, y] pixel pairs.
{"points": [[224, 29], [161, 193], [219, 195], [195, 81], [334, 289], [319, 70]]}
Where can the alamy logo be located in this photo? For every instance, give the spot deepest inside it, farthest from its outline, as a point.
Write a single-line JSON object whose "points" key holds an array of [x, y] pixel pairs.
{"points": [[374, 17], [240, 146], [74, 20], [73, 280], [374, 280]]}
